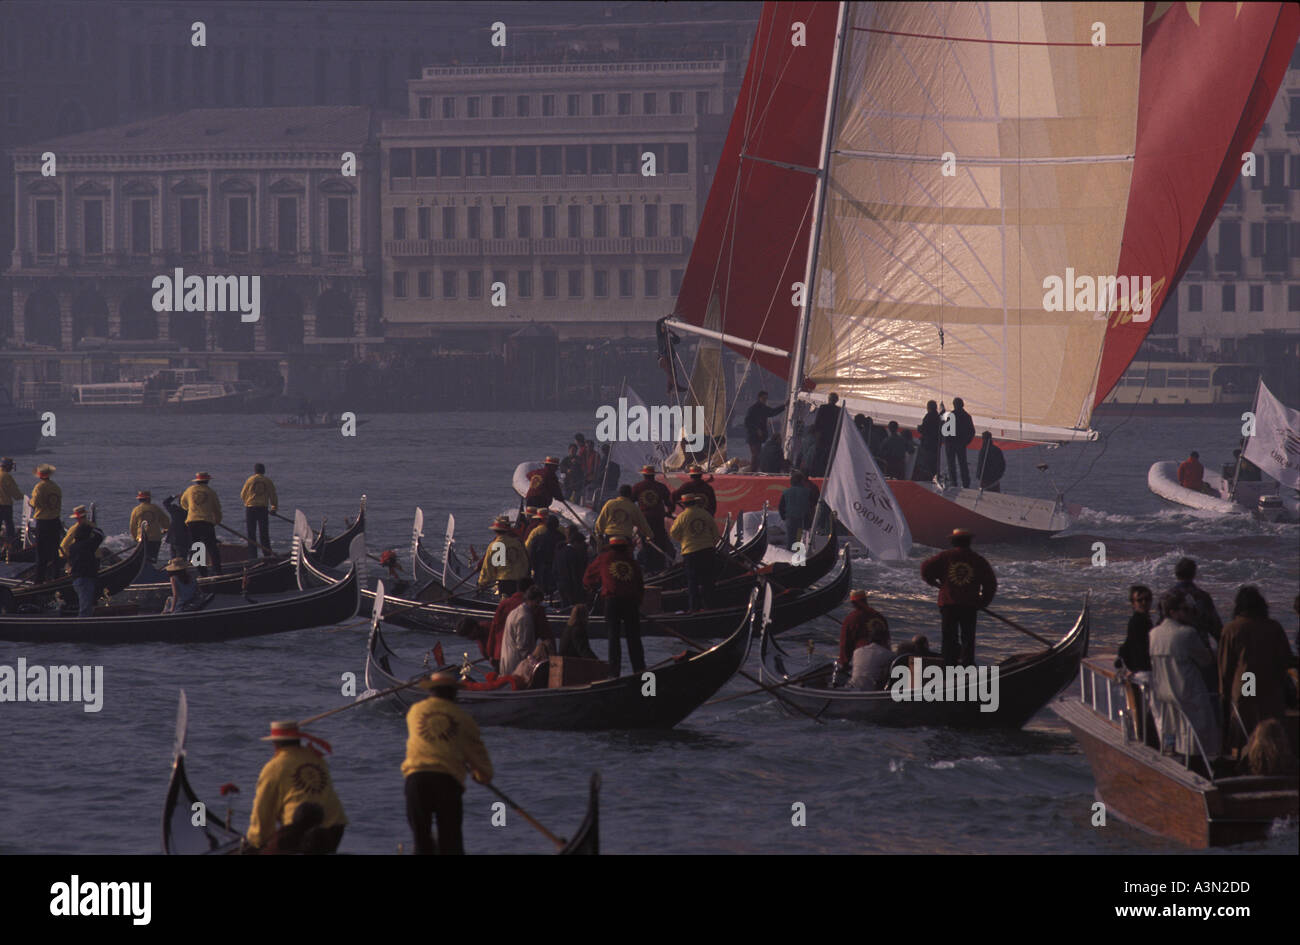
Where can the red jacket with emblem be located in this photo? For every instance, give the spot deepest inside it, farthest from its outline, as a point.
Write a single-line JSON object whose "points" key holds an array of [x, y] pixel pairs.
{"points": [[964, 578], [616, 574], [700, 486], [543, 483], [857, 628], [653, 497]]}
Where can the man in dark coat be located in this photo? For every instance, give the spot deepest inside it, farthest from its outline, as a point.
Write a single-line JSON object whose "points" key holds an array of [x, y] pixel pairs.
{"points": [[966, 584], [824, 424], [618, 578], [927, 460], [956, 445], [653, 498], [894, 451], [991, 465], [756, 431], [178, 535]]}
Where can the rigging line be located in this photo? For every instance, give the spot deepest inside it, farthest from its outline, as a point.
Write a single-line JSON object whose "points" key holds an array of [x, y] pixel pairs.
{"points": [[993, 42]]}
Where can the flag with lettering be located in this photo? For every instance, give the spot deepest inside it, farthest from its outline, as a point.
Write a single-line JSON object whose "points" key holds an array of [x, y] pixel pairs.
{"points": [[862, 499], [1275, 447]]}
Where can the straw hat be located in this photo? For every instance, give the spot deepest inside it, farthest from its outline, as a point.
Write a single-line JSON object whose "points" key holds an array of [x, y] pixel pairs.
{"points": [[551, 461], [79, 512], [201, 477], [284, 731], [618, 540], [690, 497], [696, 470], [144, 494], [177, 564], [858, 595], [500, 526], [44, 470], [647, 470], [443, 680]]}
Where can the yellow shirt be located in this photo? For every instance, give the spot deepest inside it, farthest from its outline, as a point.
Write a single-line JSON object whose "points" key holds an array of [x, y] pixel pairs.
{"points": [[69, 537], [154, 519], [201, 504], [259, 493], [46, 501], [695, 529], [295, 775], [441, 736], [516, 565], [619, 516], [9, 491]]}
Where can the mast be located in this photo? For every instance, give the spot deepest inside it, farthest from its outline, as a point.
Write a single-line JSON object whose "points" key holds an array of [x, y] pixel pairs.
{"points": [[801, 332]]}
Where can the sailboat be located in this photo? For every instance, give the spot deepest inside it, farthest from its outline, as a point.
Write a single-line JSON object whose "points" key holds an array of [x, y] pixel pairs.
{"points": [[902, 182]]}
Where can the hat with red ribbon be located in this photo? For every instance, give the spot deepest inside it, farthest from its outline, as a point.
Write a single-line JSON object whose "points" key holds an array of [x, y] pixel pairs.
{"points": [[287, 730]]}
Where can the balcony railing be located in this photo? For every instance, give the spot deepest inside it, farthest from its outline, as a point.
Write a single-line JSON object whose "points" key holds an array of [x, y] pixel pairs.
{"points": [[576, 69], [539, 183]]}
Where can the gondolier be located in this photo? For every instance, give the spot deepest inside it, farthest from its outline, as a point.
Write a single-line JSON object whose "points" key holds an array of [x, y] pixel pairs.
{"points": [[653, 498], [295, 775], [9, 494], [858, 627], [78, 547], [46, 502], [696, 530], [151, 519], [620, 515], [202, 516], [696, 485], [544, 485], [442, 742], [618, 578], [260, 500], [505, 561], [178, 534], [966, 583]]}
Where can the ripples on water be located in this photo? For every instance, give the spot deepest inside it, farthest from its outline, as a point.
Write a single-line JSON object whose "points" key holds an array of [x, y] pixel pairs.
{"points": [[723, 781]]}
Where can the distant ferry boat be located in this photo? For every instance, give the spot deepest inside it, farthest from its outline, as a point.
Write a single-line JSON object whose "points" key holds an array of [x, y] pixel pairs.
{"points": [[1182, 387], [173, 389]]}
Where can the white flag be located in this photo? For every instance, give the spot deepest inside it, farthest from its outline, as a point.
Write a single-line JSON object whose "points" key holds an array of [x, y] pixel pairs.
{"points": [[632, 456], [1275, 447], [862, 499]]}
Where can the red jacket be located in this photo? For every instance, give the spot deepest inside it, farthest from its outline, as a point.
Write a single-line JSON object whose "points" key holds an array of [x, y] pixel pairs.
{"points": [[616, 574], [498, 629], [700, 486], [1191, 474], [543, 484], [654, 498], [964, 578], [857, 628]]}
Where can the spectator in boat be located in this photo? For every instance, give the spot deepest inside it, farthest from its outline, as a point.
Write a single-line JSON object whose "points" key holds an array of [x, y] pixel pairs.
{"points": [[574, 642], [79, 546], [1255, 644], [542, 544], [9, 494], [825, 422], [966, 584], [1205, 618], [572, 475], [652, 498], [570, 566], [756, 427], [894, 450], [796, 508], [617, 576], [858, 628], [1268, 752], [1134, 652], [544, 485], [589, 459], [1179, 662], [520, 634], [178, 535], [919, 645], [478, 631], [185, 590], [260, 500], [772, 458], [956, 444], [295, 775], [46, 502], [871, 662], [991, 465], [202, 516], [696, 530], [442, 743], [505, 562], [151, 519], [497, 629], [927, 458], [1191, 474]]}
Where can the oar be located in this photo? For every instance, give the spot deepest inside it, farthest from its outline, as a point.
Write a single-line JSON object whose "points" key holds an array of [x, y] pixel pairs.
{"points": [[753, 692], [376, 613], [558, 841], [1012, 623], [244, 537]]}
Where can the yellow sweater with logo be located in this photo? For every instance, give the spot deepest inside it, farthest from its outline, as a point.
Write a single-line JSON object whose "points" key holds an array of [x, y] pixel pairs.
{"points": [[619, 516], [259, 493], [516, 561], [154, 519], [295, 775], [201, 504], [46, 501], [695, 529], [9, 491], [441, 736]]}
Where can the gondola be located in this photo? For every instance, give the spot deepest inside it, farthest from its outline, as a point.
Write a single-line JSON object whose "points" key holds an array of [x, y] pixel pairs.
{"points": [[226, 617], [1025, 685], [793, 607], [110, 580], [332, 552], [180, 835], [681, 686]]}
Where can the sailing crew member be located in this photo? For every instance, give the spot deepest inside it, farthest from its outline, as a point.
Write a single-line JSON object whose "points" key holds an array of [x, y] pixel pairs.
{"points": [[931, 428], [202, 516], [442, 742], [618, 577], [956, 445], [825, 421], [544, 485], [9, 494], [260, 500], [152, 519], [966, 583], [1191, 474], [79, 546], [505, 561], [620, 515], [796, 507], [295, 775], [894, 451], [756, 427], [857, 628], [991, 465], [696, 484], [543, 543], [572, 475], [653, 498], [178, 535], [697, 532], [46, 502]]}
